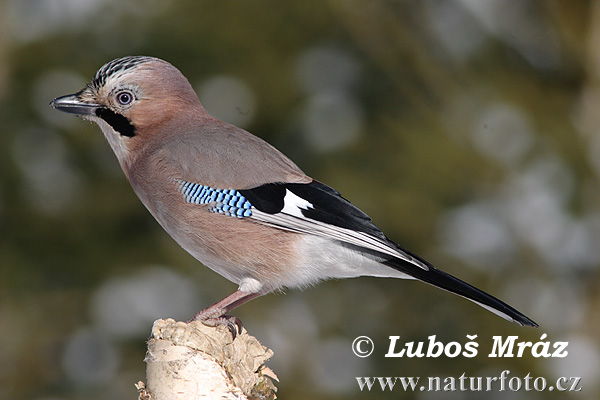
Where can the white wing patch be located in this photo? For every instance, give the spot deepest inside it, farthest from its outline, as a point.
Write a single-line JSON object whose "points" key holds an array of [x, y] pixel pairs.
{"points": [[292, 203]]}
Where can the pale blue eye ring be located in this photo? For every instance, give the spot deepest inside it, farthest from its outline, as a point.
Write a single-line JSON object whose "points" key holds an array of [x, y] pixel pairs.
{"points": [[125, 97]]}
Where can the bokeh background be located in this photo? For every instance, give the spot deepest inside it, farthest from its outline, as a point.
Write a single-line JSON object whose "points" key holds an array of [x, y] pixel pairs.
{"points": [[468, 130]]}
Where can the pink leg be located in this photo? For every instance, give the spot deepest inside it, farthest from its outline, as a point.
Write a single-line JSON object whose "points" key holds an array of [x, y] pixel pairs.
{"points": [[215, 315], [224, 306]]}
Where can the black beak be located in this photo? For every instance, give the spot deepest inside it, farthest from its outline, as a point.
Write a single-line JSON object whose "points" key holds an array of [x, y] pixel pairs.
{"points": [[73, 105]]}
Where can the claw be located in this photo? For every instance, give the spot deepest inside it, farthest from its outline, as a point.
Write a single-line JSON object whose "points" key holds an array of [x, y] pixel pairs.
{"points": [[231, 322], [215, 314]]}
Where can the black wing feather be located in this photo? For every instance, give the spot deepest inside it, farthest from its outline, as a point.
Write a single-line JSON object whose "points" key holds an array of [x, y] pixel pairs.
{"points": [[331, 208], [266, 198], [328, 205]]}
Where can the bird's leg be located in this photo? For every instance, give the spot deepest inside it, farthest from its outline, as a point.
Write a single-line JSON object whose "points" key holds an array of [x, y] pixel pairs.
{"points": [[215, 315]]}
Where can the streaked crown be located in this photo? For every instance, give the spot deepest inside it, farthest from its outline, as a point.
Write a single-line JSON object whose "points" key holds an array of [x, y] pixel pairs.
{"points": [[117, 67]]}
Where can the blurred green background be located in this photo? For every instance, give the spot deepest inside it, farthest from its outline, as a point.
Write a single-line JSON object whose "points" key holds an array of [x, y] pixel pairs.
{"points": [[468, 130]]}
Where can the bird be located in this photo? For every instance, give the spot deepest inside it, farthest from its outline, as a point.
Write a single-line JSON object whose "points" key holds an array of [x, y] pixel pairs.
{"points": [[236, 203]]}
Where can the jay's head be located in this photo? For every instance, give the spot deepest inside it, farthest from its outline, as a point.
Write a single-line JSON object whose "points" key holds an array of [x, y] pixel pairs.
{"points": [[133, 99]]}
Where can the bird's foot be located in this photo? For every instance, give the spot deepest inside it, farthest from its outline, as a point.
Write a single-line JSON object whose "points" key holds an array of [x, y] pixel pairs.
{"points": [[215, 314], [212, 319]]}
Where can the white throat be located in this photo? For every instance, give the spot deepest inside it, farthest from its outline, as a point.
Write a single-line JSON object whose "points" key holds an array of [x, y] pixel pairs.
{"points": [[115, 140]]}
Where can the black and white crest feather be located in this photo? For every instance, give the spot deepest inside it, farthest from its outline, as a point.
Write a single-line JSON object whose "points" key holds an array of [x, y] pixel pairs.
{"points": [[117, 66]]}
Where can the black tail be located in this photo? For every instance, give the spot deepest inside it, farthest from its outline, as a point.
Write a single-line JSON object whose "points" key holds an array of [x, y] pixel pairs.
{"points": [[447, 282]]}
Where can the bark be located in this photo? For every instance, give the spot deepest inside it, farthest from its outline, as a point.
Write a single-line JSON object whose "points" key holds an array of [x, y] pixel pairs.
{"points": [[191, 361]]}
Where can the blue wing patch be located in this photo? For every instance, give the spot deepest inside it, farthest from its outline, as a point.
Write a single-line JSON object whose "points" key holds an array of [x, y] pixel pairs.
{"points": [[226, 201]]}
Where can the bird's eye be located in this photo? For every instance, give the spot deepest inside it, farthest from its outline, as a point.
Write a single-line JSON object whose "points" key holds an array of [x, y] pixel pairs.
{"points": [[124, 98]]}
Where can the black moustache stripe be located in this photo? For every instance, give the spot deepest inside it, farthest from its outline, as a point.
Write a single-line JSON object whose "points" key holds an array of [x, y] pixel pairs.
{"points": [[118, 122]]}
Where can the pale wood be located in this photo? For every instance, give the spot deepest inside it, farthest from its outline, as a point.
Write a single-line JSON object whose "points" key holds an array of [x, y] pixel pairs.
{"points": [[193, 361]]}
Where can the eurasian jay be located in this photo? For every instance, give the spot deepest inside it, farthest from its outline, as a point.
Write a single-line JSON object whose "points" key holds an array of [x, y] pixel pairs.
{"points": [[233, 201]]}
